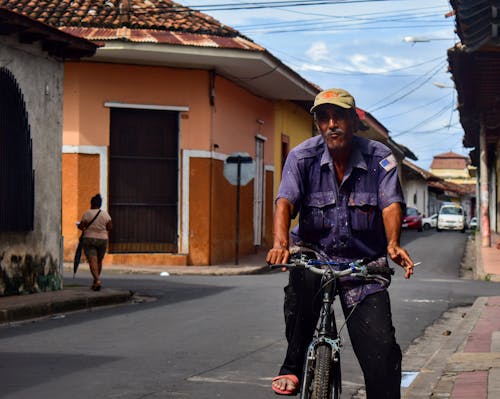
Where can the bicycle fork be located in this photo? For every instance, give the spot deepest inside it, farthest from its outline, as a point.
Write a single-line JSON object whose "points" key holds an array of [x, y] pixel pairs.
{"points": [[326, 335]]}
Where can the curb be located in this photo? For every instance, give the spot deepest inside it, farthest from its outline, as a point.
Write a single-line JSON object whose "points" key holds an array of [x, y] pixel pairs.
{"points": [[31, 306], [179, 270], [432, 380]]}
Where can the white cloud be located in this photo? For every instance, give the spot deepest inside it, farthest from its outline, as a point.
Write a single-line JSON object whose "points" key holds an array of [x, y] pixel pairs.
{"points": [[318, 52], [374, 63]]}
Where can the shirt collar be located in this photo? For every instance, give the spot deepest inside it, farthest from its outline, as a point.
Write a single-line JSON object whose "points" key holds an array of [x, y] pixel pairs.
{"points": [[356, 160]]}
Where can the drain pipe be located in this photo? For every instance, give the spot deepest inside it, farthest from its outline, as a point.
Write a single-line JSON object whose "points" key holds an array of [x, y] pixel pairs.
{"points": [[484, 189]]}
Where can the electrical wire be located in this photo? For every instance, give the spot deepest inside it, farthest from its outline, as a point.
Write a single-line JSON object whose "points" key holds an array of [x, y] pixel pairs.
{"points": [[425, 121], [410, 91], [274, 4], [413, 109]]}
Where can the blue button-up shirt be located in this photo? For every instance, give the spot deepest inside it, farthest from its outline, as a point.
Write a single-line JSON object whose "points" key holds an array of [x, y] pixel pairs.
{"points": [[343, 220]]}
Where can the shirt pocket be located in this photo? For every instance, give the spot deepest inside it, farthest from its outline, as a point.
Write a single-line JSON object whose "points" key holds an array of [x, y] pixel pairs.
{"points": [[317, 212], [362, 210]]}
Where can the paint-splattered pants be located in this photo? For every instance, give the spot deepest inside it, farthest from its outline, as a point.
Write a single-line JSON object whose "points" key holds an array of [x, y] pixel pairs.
{"points": [[370, 329]]}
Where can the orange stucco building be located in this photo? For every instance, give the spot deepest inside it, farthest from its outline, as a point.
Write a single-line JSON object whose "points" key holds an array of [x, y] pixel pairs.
{"points": [[209, 129], [150, 120]]}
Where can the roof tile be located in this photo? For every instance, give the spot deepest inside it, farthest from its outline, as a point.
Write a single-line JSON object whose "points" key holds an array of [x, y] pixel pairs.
{"points": [[145, 19]]}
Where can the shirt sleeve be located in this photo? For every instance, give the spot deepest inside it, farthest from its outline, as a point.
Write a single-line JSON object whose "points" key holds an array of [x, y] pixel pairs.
{"points": [[290, 186], [390, 190], [107, 217], [85, 217]]}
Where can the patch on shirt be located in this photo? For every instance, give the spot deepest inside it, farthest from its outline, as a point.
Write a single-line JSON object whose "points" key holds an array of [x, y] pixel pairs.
{"points": [[388, 163]]}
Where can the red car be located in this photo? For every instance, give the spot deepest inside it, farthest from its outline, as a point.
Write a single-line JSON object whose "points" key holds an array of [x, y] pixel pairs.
{"points": [[412, 219]]}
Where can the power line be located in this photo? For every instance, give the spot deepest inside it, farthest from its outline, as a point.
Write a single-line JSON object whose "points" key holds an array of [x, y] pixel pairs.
{"points": [[345, 23], [425, 121], [344, 71], [411, 90], [406, 112], [276, 4], [408, 11]]}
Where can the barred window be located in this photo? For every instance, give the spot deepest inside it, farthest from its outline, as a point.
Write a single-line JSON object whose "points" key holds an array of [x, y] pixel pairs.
{"points": [[16, 158]]}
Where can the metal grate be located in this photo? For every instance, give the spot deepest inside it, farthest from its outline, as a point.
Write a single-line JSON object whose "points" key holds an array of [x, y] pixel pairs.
{"points": [[17, 178], [143, 195]]}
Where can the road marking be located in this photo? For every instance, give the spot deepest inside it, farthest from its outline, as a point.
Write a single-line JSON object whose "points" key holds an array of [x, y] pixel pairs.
{"points": [[407, 378], [426, 300], [224, 381], [439, 280], [267, 379]]}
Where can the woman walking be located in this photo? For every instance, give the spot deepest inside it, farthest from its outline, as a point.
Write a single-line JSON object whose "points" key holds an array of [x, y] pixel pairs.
{"points": [[95, 224]]}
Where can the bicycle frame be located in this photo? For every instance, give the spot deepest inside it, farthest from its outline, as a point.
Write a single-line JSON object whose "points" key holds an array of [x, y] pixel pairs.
{"points": [[326, 333], [321, 375]]}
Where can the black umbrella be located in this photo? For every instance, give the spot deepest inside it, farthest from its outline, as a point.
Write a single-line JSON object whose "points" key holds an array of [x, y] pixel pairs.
{"points": [[78, 252], [78, 256]]}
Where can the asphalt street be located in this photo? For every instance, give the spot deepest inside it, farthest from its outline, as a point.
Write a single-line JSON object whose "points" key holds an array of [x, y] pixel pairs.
{"points": [[205, 336]]}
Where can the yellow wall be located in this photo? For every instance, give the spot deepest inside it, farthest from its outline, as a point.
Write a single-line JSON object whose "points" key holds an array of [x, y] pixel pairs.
{"points": [[295, 122], [458, 176]]}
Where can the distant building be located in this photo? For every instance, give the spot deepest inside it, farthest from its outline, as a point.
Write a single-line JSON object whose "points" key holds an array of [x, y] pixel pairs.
{"points": [[457, 169], [454, 168]]}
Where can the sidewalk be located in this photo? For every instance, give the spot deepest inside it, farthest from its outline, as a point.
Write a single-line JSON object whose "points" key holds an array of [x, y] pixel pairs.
{"points": [[23, 307], [463, 363]]}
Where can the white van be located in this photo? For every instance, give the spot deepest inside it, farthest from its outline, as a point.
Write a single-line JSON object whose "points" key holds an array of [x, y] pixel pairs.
{"points": [[451, 217]]}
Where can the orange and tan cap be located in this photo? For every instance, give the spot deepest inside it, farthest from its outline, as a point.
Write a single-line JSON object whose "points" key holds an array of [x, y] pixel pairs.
{"points": [[339, 97]]}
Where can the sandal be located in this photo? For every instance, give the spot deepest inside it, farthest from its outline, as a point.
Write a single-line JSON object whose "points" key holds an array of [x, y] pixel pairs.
{"points": [[96, 287], [288, 392]]}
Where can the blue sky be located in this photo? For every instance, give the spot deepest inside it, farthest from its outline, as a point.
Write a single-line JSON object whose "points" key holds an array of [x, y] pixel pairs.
{"points": [[359, 45]]}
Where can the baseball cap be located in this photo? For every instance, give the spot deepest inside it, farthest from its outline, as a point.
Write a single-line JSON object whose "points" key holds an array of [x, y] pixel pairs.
{"points": [[339, 97]]}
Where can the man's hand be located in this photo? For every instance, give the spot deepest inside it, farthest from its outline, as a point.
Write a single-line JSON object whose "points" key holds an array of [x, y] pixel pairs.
{"points": [[277, 255], [400, 256], [281, 225]]}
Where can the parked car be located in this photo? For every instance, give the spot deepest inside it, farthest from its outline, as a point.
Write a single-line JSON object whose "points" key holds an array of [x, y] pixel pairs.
{"points": [[430, 222], [451, 217], [473, 223], [412, 219]]}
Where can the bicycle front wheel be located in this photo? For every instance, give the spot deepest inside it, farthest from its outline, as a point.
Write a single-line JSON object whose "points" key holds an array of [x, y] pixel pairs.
{"points": [[321, 383]]}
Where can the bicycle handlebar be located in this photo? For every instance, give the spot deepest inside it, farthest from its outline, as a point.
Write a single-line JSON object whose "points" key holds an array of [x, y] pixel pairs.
{"points": [[357, 268]]}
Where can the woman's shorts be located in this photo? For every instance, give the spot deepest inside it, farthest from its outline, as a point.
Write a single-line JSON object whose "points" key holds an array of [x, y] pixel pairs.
{"points": [[94, 247]]}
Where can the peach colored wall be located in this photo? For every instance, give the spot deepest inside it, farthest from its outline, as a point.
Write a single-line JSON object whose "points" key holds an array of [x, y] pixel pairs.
{"points": [[199, 212], [217, 227], [235, 120], [223, 221], [80, 176], [87, 86]]}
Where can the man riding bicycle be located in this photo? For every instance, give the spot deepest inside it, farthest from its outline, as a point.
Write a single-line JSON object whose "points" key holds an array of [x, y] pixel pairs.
{"points": [[346, 191]]}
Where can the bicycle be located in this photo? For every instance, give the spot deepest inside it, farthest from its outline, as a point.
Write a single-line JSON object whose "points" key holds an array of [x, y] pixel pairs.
{"points": [[321, 374]]}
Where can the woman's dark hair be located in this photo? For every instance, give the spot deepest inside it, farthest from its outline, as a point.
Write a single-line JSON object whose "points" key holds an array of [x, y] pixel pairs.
{"points": [[96, 201]]}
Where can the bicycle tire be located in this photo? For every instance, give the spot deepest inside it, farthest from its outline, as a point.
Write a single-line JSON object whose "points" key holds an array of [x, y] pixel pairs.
{"points": [[321, 381]]}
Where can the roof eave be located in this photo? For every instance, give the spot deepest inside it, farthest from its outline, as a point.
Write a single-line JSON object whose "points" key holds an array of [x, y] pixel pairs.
{"points": [[256, 70]]}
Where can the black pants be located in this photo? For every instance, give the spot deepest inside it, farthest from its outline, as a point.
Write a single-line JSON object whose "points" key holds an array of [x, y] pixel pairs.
{"points": [[370, 330]]}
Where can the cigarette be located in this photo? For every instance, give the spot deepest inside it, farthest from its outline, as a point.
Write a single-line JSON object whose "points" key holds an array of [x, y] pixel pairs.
{"points": [[416, 264]]}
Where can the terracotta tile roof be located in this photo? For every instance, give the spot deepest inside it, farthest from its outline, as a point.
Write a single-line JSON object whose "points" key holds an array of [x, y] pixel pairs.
{"points": [[157, 21], [449, 160]]}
